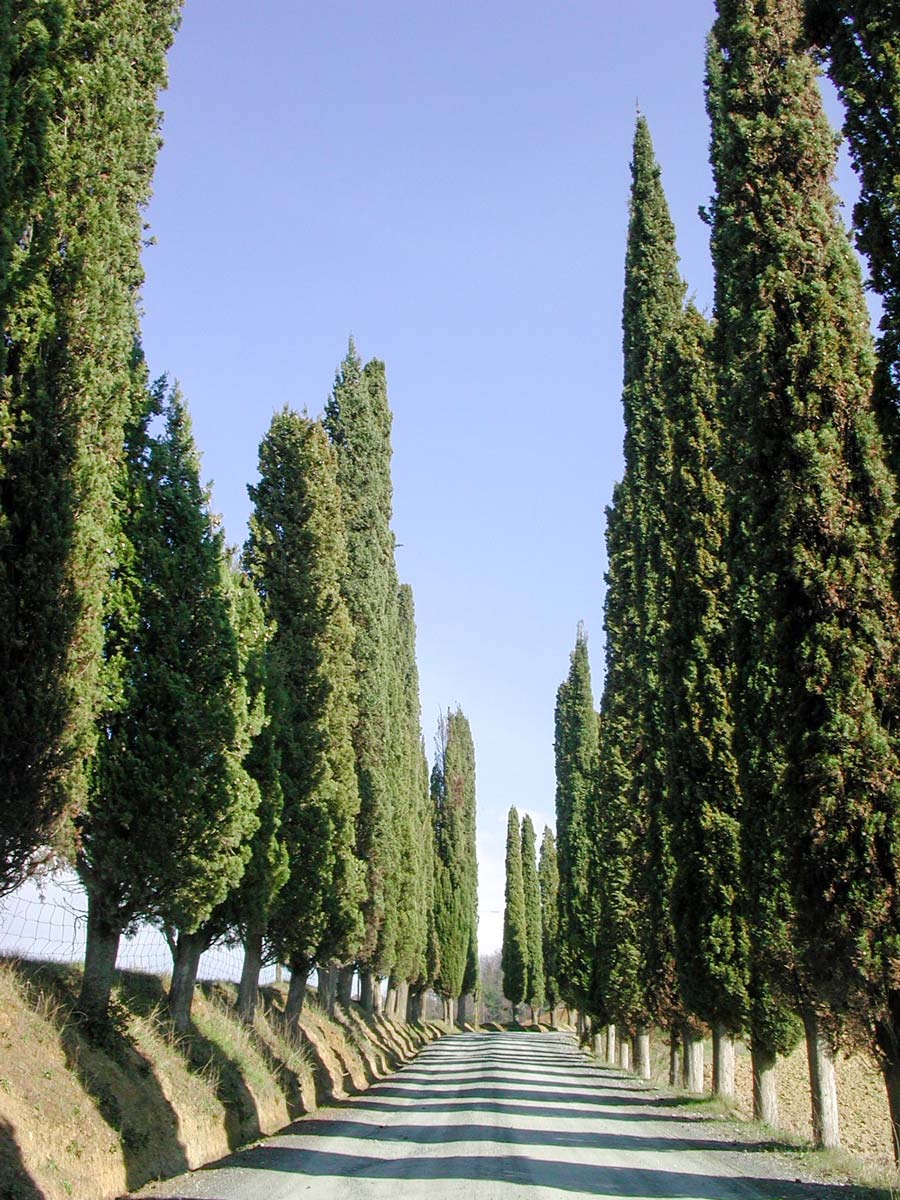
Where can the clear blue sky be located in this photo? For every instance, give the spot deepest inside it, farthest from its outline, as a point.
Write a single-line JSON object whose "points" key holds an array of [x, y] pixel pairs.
{"points": [[447, 182]]}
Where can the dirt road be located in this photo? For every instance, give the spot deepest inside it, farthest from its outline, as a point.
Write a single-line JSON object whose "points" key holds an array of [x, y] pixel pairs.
{"points": [[511, 1116]]}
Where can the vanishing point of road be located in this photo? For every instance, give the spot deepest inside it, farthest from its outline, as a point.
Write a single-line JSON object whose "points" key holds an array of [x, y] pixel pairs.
{"points": [[511, 1116]]}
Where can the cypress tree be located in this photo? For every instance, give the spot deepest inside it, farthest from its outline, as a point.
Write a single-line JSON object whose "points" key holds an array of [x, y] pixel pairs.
{"points": [[412, 810], [576, 768], [534, 978], [812, 512], [514, 955], [78, 141], [245, 911], [165, 833], [703, 794], [297, 557], [548, 878], [358, 422], [860, 40], [653, 298], [616, 991], [455, 910]]}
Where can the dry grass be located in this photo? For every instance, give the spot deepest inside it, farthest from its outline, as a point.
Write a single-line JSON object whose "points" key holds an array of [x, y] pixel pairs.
{"points": [[89, 1113]]}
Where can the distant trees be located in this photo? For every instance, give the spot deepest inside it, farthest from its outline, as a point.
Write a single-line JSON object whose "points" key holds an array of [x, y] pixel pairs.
{"points": [[534, 975], [455, 868], [514, 956], [548, 878]]}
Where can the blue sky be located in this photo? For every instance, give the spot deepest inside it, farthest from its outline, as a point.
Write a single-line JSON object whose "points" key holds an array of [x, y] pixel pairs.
{"points": [[447, 182]]}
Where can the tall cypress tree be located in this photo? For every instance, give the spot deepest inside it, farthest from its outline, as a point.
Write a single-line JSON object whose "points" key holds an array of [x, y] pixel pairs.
{"points": [[455, 882], [616, 991], [534, 979], [653, 298], [860, 40], [358, 422], [297, 557], [514, 955], [412, 810], [165, 834], [703, 794], [78, 142], [813, 511], [548, 878], [576, 769]]}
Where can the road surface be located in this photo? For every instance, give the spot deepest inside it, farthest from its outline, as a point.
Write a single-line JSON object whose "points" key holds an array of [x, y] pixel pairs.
{"points": [[511, 1116]]}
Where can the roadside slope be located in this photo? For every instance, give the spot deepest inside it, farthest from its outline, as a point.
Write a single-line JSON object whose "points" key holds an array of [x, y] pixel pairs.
{"points": [[90, 1113]]}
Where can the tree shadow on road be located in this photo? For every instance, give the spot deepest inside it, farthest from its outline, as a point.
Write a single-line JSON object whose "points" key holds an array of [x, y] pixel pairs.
{"points": [[608, 1181]]}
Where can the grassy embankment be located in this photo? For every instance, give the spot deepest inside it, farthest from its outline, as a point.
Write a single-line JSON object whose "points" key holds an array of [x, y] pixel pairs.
{"points": [[87, 1114]]}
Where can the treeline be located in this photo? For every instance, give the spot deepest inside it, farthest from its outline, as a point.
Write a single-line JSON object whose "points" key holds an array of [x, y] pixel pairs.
{"points": [[729, 829], [528, 956], [226, 745]]}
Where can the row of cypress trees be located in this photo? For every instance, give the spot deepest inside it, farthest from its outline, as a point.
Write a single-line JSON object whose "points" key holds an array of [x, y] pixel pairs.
{"points": [[528, 957], [728, 833], [226, 746]]}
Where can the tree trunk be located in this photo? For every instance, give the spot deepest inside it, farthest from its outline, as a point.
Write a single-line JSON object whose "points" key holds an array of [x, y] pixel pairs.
{"points": [[461, 1011], [597, 1045], [367, 990], [765, 1087], [823, 1092], [888, 1046], [611, 1045], [99, 965], [414, 1006], [693, 1061], [293, 1006], [390, 1000], [579, 1027], [402, 1000], [554, 1017], [377, 997], [345, 986], [279, 973], [674, 1058], [642, 1052], [327, 991], [723, 1062], [249, 984], [188, 949], [624, 1053]]}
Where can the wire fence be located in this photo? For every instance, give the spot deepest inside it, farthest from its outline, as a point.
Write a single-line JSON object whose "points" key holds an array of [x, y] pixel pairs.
{"points": [[46, 920]]}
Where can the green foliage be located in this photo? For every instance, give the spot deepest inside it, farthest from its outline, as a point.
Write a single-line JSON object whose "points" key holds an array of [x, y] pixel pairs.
{"points": [[576, 772], [654, 293], [297, 557], [534, 975], [78, 142], [358, 422], [412, 811], [816, 627], [165, 834], [456, 871], [616, 993], [703, 794], [860, 40], [514, 956], [548, 879], [246, 909]]}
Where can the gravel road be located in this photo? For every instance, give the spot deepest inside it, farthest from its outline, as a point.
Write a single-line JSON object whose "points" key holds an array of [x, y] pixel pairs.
{"points": [[505, 1115]]}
